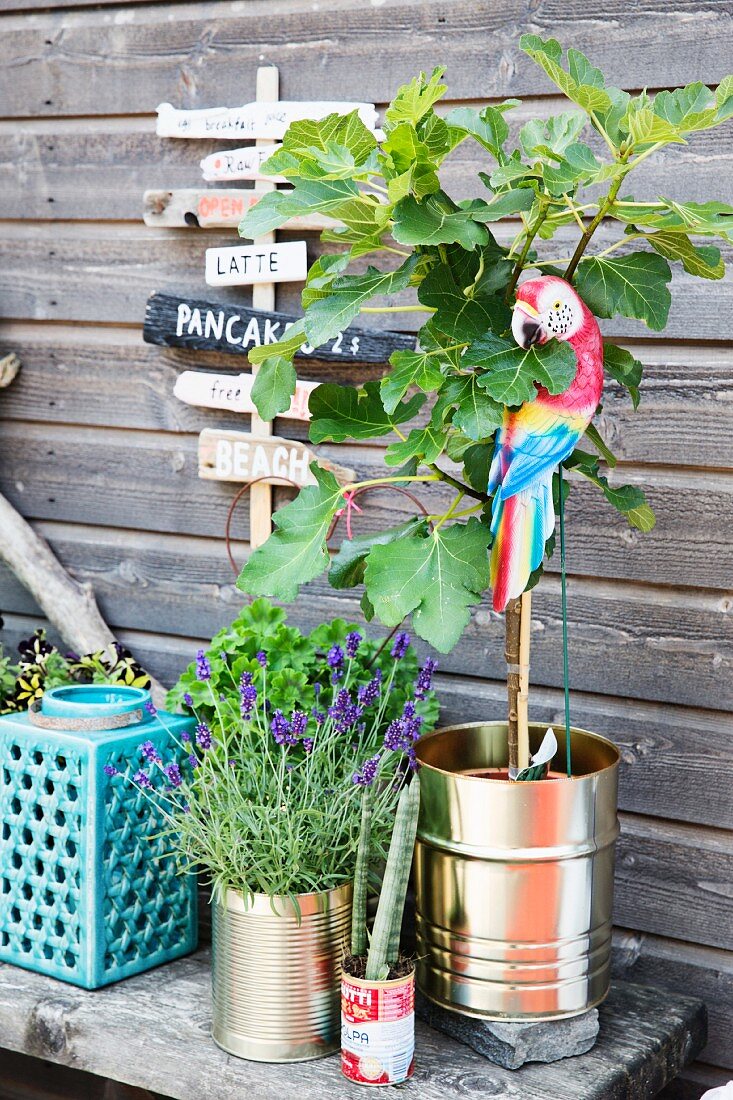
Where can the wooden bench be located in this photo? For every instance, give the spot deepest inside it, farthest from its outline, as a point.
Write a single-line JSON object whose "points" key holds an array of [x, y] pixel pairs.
{"points": [[152, 1032]]}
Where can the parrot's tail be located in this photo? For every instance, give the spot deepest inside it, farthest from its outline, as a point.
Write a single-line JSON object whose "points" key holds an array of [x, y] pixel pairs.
{"points": [[521, 525]]}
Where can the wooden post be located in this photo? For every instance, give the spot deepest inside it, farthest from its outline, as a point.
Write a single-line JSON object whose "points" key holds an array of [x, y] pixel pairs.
{"points": [[263, 297], [518, 624]]}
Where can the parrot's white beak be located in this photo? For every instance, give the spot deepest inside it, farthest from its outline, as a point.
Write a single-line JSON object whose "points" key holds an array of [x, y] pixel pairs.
{"points": [[526, 325]]}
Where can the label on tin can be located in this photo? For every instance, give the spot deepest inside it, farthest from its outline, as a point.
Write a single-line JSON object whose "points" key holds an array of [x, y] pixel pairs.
{"points": [[377, 1031]]}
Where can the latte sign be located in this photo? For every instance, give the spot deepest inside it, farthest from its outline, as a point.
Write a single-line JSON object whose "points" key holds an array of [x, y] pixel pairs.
{"points": [[247, 264], [238, 164], [241, 456], [234, 392], [253, 120]]}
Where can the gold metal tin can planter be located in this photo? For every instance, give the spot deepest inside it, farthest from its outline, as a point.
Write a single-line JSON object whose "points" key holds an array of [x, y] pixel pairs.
{"points": [[276, 977], [378, 1030], [514, 881]]}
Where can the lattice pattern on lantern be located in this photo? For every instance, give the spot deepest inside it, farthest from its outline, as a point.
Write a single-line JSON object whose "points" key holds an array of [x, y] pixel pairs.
{"points": [[138, 873], [88, 890], [41, 882]]}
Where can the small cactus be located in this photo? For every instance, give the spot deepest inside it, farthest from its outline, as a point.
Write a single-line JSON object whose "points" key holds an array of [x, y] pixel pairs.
{"points": [[384, 947]]}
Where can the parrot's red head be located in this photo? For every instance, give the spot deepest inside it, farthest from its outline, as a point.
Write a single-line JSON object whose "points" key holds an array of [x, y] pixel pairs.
{"points": [[547, 307]]}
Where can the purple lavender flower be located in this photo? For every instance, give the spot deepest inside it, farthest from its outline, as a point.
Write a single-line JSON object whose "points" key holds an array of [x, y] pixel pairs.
{"points": [[319, 716], [400, 645], [173, 774], [281, 729], [185, 736], [345, 712], [424, 680], [335, 657], [193, 760], [203, 736], [368, 773], [308, 744], [149, 752], [186, 808], [298, 723], [412, 759], [203, 668], [317, 689], [247, 695], [262, 658], [395, 735], [110, 770], [187, 699], [151, 707], [369, 693], [353, 641], [142, 780]]}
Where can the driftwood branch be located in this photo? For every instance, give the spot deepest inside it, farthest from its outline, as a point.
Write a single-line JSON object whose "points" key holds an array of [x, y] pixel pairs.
{"points": [[68, 604]]}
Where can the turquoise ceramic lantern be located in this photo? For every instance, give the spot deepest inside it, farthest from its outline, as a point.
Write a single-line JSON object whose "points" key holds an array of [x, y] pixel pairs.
{"points": [[88, 894]]}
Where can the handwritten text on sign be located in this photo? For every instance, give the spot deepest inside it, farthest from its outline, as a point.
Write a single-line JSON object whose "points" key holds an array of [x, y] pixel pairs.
{"points": [[238, 164], [240, 456], [215, 207], [234, 392], [257, 263], [218, 326], [253, 120]]}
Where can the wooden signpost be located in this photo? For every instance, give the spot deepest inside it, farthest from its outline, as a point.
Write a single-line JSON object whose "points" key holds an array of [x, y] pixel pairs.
{"points": [[256, 456], [245, 456], [215, 208], [176, 322], [263, 119], [238, 164], [262, 262], [234, 392]]}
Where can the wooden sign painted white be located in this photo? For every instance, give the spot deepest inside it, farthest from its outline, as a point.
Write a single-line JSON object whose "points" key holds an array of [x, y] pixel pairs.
{"points": [[248, 264], [234, 392], [214, 208], [238, 164], [253, 120], [241, 456]]}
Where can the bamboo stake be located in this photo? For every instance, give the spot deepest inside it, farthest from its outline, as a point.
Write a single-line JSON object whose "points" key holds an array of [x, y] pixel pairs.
{"points": [[511, 652], [525, 621]]}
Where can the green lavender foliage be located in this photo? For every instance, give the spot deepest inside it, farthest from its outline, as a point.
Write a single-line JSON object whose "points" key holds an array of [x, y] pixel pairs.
{"points": [[278, 817], [385, 942], [445, 259], [361, 878]]}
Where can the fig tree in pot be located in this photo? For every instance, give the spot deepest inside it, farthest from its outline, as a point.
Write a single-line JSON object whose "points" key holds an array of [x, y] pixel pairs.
{"points": [[514, 872]]}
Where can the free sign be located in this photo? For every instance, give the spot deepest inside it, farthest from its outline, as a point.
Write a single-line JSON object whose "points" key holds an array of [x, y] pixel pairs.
{"points": [[234, 392], [253, 120], [241, 456], [247, 264], [238, 164]]}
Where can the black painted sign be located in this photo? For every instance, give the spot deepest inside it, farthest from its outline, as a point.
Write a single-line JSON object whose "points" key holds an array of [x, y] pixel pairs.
{"points": [[221, 326]]}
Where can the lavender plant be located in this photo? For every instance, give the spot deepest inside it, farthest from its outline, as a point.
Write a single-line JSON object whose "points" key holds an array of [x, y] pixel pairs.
{"points": [[265, 795]]}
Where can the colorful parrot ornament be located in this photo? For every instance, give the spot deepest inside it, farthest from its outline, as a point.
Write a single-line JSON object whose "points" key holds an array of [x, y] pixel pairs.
{"points": [[536, 437]]}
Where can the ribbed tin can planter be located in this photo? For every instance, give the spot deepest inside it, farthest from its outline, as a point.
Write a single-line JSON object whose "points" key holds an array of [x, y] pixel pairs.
{"points": [[377, 1030], [514, 881], [276, 975]]}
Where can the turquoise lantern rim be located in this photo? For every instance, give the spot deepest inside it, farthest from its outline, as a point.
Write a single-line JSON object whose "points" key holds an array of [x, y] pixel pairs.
{"points": [[92, 700]]}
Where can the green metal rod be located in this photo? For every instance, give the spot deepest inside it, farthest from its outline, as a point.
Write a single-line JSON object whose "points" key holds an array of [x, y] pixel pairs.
{"points": [[565, 662]]}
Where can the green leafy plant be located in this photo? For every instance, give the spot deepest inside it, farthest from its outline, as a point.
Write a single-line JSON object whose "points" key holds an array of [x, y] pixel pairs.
{"points": [[291, 728], [439, 257], [381, 953]]}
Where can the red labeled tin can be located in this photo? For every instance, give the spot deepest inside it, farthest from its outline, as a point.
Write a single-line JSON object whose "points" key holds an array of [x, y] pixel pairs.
{"points": [[377, 1030]]}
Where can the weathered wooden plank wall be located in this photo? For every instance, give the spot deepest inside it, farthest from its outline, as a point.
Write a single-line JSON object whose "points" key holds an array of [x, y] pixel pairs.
{"points": [[97, 452]]}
